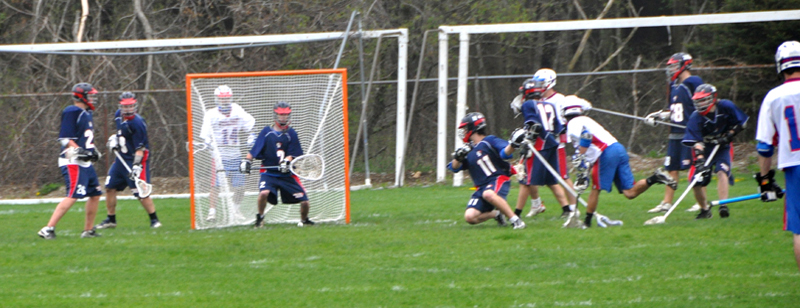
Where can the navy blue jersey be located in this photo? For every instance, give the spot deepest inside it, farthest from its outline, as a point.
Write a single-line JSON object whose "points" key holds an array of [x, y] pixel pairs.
{"points": [[76, 125], [680, 101], [484, 162], [714, 124], [132, 136], [544, 114], [273, 146]]}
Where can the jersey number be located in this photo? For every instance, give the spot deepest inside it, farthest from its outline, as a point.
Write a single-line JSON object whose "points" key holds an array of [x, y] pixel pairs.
{"points": [[791, 121], [677, 112], [486, 165], [123, 148], [89, 139], [230, 136], [548, 116]]}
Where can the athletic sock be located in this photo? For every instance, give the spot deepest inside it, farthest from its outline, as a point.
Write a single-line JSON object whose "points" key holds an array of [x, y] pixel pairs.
{"points": [[651, 180], [153, 216], [517, 212], [588, 220], [514, 219], [566, 209], [112, 218]]}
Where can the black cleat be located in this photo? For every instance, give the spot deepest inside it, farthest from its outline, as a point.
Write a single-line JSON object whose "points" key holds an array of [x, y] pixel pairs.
{"points": [[723, 211], [501, 220], [308, 222], [259, 221], [89, 234], [106, 224], [48, 234], [704, 214]]}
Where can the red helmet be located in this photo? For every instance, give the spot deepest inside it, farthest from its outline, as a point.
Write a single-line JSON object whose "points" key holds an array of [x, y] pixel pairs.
{"points": [[471, 123], [283, 114], [127, 105], [678, 63], [705, 97], [84, 93]]}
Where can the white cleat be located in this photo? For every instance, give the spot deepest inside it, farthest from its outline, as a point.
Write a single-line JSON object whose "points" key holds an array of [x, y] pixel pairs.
{"points": [[519, 224], [694, 208], [536, 211], [661, 207], [574, 220]]}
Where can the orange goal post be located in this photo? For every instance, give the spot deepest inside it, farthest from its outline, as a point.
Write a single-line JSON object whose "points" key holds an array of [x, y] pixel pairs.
{"points": [[319, 115]]}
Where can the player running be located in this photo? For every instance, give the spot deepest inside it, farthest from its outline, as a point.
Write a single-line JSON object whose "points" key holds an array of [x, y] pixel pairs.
{"points": [[484, 157], [714, 122], [77, 155], [602, 158], [278, 145], [680, 107], [132, 144], [778, 127], [223, 128]]}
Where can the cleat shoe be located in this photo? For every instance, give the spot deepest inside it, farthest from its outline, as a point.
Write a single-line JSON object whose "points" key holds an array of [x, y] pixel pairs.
{"points": [[573, 220], [259, 221], [565, 214], [704, 214], [663, 177], [154, 223], [536, 211], [212, 214], [106, 224], [723, 211], [519, 224], [47, 233], [662, 207], [501, 220], [308, 222], [89, 234], [694, 208]]}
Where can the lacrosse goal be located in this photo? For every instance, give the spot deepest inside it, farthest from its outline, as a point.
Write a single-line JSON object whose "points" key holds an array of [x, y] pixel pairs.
{"points": [[319, 115]]}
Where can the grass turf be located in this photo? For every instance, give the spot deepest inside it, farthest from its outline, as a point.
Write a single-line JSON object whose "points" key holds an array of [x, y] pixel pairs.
{"points": [[406, 247]]}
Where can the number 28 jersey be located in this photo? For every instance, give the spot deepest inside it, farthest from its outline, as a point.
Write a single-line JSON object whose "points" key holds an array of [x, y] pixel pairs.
{"points": [[681, 104], [779, 122], [484, 162]]}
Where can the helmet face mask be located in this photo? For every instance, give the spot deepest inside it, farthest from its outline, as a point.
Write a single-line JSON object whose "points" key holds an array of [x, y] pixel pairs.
{"points": [[471, 123], [678, 63], [787, 56], [128, 105], [223, 97], [705, 97], [84, 93], [283, 115]]}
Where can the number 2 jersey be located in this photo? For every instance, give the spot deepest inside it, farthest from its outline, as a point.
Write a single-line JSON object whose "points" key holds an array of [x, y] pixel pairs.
{"points": [[226, 130], [273, 146], [484, 162], [132, 136], [76, 125], [778, 122], [681, 104]]}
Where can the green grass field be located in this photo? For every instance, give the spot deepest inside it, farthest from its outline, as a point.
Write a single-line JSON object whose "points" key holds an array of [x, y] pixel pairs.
{"points": [[406, 247]]}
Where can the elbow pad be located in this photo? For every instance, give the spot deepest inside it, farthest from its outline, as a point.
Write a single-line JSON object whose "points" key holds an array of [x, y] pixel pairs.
{"points": [[765, 149], [586, 139]]}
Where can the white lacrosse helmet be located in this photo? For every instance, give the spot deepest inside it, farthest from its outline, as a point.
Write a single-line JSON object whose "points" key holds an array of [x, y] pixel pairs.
{"points": [[223, 96], [573, 106], [547, 77], [787, 56]]}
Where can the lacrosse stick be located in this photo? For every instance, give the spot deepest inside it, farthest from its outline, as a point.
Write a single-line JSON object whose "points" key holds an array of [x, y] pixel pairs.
{"points": [[697, 177], [144, 188], [600, 218], [308, 167], [737, 199], [625, 115]]}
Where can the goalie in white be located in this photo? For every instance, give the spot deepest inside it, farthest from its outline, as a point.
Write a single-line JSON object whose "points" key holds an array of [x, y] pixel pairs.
{"points": [[223, 128], [602, 158]]}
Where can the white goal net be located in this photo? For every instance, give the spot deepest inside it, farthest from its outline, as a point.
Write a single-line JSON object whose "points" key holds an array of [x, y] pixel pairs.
{"points": [[318, 99]]}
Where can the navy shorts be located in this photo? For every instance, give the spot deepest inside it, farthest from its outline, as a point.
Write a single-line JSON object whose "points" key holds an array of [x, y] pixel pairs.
{"points": [[290, 188], [536, 173], [118, 177], [720, 162], [679, 156], [80, 181], [500, 185]]}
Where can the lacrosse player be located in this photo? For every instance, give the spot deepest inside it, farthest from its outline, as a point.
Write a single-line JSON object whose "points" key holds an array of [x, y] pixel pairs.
{"points": [[277, 145], [77, 155], [132, 144], [484, 156], [714, 122], [778, 127], [680, 107], [223, 126], [541, 120], [543, 91], [602, 158]]}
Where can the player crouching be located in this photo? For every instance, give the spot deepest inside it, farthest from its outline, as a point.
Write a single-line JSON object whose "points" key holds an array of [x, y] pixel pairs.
{"points": [[484, 157], [600, 156]]}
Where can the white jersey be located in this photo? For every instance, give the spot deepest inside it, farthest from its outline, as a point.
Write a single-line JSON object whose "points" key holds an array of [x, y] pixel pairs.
{"points": [[601, 138], [557, 99], [228, 131], [778, 121]]}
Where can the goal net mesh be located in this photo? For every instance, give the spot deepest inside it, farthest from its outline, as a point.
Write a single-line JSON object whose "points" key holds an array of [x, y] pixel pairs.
{"points": [[319, 102]]}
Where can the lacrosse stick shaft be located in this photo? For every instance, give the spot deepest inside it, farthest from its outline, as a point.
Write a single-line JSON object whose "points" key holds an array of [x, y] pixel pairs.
{"points": [[737, 199], [696, 178], [625, 115], [122, 160]]}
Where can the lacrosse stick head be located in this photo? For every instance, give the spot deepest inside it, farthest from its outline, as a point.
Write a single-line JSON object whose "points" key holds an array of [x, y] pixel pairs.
{"points": [[607, 221], [144, 188], [655, 220], [309, 167]]}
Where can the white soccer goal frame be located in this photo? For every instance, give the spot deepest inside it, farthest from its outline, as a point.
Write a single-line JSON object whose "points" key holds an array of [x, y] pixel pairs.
{"points": [[615, 23], [402, 58]]}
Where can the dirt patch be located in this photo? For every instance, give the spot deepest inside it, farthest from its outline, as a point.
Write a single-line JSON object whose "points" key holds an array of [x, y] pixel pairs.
{"points": [[744, 155]]}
